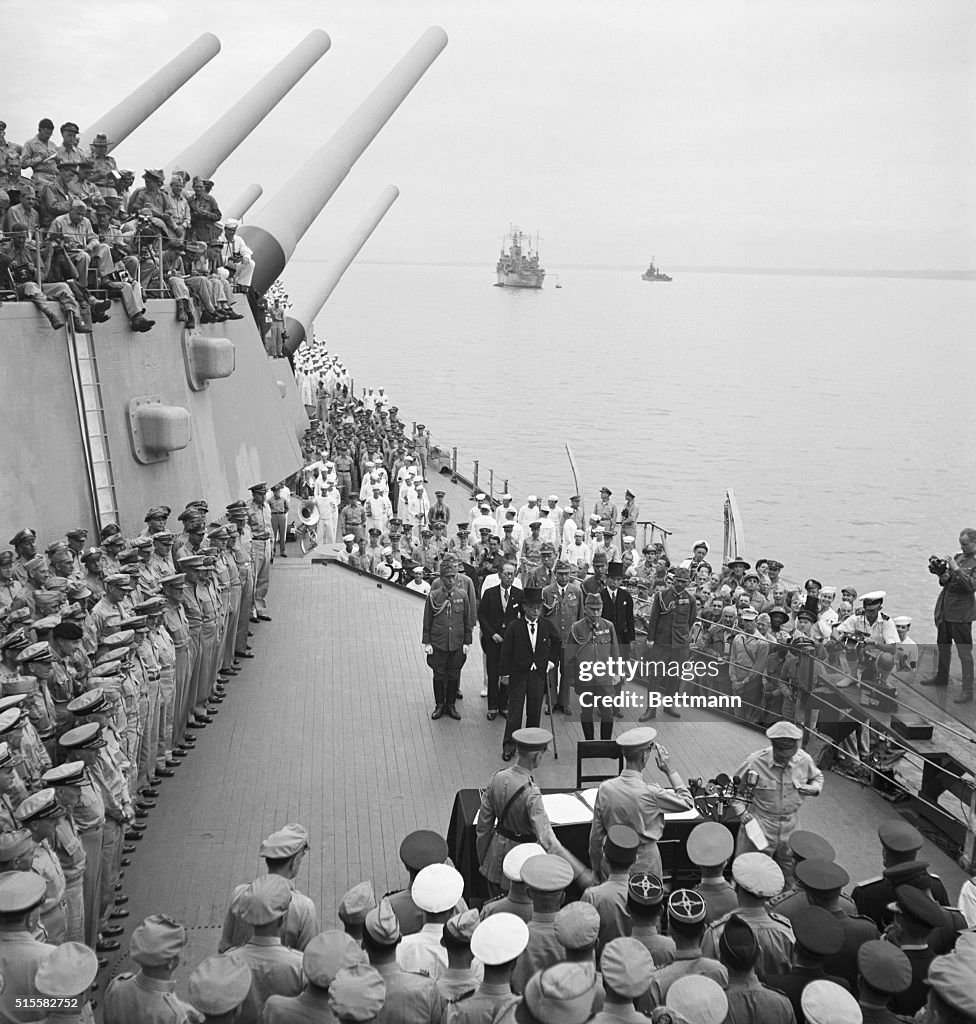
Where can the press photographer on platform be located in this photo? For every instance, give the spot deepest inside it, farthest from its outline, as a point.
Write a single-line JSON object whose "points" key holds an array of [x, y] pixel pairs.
{"points": [[955, 611]]}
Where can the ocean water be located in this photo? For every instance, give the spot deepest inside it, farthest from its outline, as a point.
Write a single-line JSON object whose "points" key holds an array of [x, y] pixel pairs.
{"points": [[839, 410]]}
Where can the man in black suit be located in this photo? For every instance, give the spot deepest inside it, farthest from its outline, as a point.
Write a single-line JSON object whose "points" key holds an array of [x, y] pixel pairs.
{"points": [[498, 607], [618, 608], [530, 647]]}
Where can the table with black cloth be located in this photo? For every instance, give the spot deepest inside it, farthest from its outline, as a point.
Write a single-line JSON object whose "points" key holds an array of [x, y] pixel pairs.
{"points": [[462, 848]]}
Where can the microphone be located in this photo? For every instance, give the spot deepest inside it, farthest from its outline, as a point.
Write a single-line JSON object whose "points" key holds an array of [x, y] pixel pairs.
{"points": [[735, 781], [722, 780]]}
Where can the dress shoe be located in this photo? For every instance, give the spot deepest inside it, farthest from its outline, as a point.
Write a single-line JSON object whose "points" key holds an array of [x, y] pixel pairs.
{"points": [[264, 618], [119, 914], [452, 712], [120, 900], [671, 713], [438, 712], [649, 715], [132, 836], [128, 848], [112, 930], [102, 962], [141, 812], [507, 755], [108, 945], [966, 697], [484, 691], [198, 725], [149, 792], [172, 762], [167, 773], [243, 654], [180, 753], [491, 716], [249, 633], [460, 695], [125, 862], [548, 710], [139, 827], [558, 707], [503, 712], [933, 681]]}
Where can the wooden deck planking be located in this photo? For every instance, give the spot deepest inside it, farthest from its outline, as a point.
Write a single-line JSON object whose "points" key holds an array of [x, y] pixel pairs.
{"points": [[330, 725]]}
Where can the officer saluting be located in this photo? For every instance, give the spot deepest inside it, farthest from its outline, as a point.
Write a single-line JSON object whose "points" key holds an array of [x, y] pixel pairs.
{"points": [[512, 812], [629, 800]]}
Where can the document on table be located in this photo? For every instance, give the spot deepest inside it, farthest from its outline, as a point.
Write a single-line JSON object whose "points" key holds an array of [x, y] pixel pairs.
{"points": [[589, 795], [566, 809]]}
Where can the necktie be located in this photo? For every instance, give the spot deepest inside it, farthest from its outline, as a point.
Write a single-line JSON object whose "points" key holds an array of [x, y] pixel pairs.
{"points": [[532, 634], [504, 598]]}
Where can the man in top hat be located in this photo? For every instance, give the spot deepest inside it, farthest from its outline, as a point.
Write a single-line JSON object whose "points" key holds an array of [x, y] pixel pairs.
{"points": [[259, 520], [900, 844], [785, 776], [593, 642], [149, 994], [757, 879], [629, 800], [955, 611], [512, 811], [530, 649], [674, 611]]}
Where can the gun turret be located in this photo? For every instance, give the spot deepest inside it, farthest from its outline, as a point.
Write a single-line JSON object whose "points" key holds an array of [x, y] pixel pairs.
{"points": [[280, 225], [243, 202], [123, 119], [212, 148], [298, 325]]}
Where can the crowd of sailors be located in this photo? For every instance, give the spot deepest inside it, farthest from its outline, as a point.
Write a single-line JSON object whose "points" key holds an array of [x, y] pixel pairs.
{"points": [[77, 234]]}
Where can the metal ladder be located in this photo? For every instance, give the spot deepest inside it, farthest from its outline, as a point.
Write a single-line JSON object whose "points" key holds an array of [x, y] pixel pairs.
{"points": [[91, 418]]}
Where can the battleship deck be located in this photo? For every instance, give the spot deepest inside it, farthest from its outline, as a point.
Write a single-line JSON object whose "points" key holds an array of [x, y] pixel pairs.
{"points": [[330, 725]]}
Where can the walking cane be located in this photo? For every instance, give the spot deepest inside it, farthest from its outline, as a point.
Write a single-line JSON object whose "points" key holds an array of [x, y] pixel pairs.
{"points": [[555, 750]]}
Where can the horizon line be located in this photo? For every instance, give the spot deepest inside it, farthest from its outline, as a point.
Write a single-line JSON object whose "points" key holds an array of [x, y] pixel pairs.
{"points": [[920, 274]]}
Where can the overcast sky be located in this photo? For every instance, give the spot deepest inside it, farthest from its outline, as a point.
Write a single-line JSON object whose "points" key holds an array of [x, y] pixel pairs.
{"points": [[764, 133]]}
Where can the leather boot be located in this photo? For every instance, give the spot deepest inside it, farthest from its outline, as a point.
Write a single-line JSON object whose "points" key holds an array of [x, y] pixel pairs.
{"points": [[52, 311], [78, 325], [587, 730], [141, 324], [191, 320], [181, 310], [606, 730]]}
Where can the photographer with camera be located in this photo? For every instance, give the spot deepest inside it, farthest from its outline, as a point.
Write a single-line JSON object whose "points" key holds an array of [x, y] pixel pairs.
{"points": [[955, 611]]}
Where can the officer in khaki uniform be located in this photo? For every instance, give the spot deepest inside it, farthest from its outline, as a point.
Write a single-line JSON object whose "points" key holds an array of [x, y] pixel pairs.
{"points": [[65, 978], [218, 986], [21, 894], [85, 814], [259, 519], [241, 550], [709, 848], [178, 628], [592, 639], [156, 946]]}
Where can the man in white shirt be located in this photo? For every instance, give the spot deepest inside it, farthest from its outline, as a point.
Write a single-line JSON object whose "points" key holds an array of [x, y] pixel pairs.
{"points": [[906, 653], [578, 552], [502, 509], [529, 512], [436, 891], [484, 519], [547, 528], [418, 583], [237, 258]]}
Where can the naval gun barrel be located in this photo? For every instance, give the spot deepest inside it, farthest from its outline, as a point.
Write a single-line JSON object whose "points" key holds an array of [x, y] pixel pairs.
{"points": [[243, 202], [123, 119], [212, 148], [278, 228], [298, 324]]}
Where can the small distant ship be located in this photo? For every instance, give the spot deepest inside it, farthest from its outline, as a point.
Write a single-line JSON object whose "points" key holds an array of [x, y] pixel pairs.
{"points": [[653, 274], [518, 267]]}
